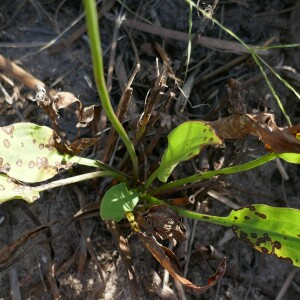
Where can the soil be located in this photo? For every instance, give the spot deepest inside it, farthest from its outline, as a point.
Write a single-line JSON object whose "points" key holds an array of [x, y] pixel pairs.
{"points": [[68, 67]]}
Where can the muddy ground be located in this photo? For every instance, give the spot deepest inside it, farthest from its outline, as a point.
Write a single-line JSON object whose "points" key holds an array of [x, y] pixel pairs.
{"points": [[81, 259]]}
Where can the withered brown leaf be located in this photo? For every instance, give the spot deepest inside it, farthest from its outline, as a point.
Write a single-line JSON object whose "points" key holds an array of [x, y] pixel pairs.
{"points": [[169, 261], [262, 125], [163, 222]]}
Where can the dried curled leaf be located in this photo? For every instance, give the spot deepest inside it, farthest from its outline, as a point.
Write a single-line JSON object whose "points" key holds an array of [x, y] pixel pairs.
{"points": [[276, 139], [163, 222], [157, 224], [169, 261], [8, 252], [86, 116]]}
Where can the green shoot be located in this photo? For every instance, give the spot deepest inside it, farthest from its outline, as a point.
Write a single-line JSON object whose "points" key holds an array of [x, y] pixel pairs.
{"points": [[96, 51]]}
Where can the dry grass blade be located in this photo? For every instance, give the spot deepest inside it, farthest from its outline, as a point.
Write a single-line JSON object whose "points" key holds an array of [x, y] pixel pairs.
{"points": [[169, 261], [7, 252], [121, 113], [154, 97]]}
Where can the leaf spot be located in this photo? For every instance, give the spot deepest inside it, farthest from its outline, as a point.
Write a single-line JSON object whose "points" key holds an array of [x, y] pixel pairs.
{"points": [[6, 143], [263, 216], [9, 130], [277, 245], [19, 163], [6, 167], [31, 164], [2, 188], [234, 228], [243, 235], [251, 207]]}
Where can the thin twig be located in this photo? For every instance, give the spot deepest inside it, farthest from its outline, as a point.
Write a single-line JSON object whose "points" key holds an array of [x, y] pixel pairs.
{"points": [[221, 45]]}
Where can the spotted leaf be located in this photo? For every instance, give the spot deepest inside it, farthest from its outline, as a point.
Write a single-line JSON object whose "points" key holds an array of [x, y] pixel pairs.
{"points": [[27, 153], [10, 189], [271, 230], [184, 142]]}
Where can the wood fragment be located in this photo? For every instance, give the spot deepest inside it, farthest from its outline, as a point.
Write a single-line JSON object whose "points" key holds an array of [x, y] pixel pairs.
{"points": [[223, 199], [221, 45]]}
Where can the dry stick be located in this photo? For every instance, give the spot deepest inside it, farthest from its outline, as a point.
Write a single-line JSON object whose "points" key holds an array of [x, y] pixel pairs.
{"points": [[191, 240], [222, 45], [13, 70], [124, 82], [286, 284], [121, 112], [223, 199]]}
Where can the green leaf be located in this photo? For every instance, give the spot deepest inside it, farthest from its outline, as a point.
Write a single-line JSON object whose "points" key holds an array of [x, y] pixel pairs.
{"points": [[271, 230], [116, 201], [28, 153], [9, 189], [184, 142], [293, 158], [268, 229]]}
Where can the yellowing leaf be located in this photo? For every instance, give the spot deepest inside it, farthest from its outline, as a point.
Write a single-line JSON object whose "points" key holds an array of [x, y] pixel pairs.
{"points": [[9, 189], [271, 230], [28, 154]]}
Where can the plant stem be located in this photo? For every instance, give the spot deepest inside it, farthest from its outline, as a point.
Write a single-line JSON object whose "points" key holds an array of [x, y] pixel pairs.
{"points": [[97, 164], [223, 221], [71, 180], [96, 51], [230, 170]]}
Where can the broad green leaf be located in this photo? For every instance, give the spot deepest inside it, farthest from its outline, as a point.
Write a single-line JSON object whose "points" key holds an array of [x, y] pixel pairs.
{"points": [[268, 229], [271, 230], [116, 201], [27, 153], [9, 189], [293, 158], [184, 142]]}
